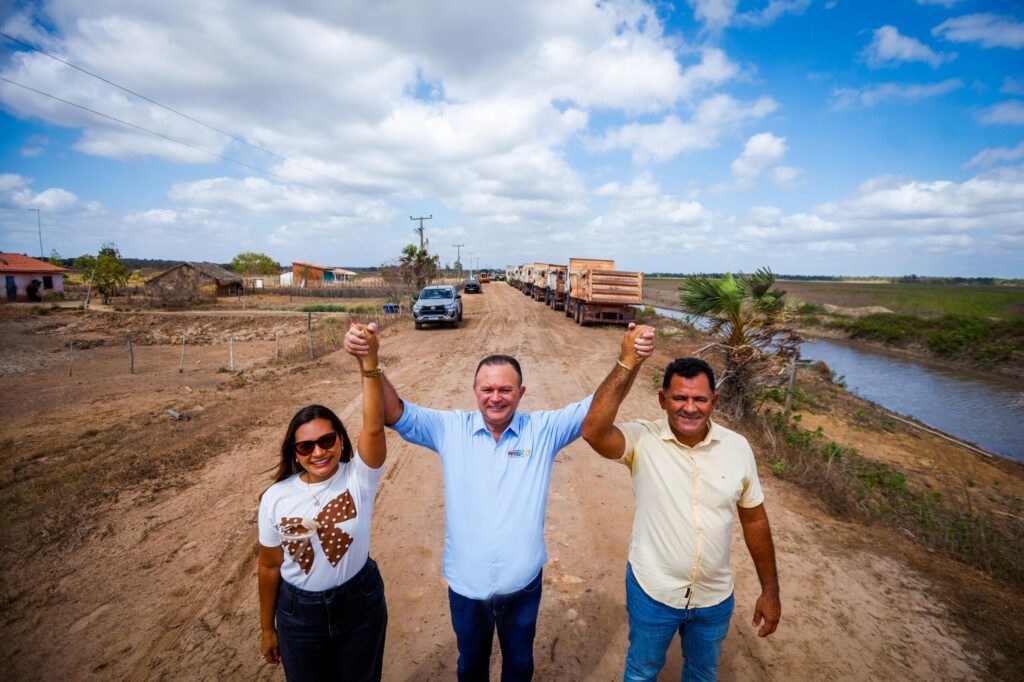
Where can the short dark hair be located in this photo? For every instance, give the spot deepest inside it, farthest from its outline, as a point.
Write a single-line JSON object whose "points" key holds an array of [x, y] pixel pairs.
{"points": [[500, 360], [688, 368], [288, 465]]}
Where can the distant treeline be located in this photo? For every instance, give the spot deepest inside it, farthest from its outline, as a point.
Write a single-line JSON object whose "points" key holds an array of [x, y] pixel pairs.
{"points": [[138, 263], [904, 279], [161, 264], [721, 275]]}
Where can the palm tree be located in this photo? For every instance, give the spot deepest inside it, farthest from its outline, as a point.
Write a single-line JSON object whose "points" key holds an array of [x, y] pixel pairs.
{"points": [[747, 318], [417, 266]]}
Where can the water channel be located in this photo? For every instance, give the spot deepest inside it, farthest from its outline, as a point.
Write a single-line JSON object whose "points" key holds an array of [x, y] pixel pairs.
{"points": [[985, 410]]}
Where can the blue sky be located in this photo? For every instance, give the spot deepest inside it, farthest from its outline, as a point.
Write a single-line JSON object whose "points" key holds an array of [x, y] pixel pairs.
{"points": [[809, 136]]}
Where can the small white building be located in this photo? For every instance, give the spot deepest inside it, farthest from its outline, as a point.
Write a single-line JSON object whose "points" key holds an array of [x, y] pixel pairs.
{"points": [[29, 279]]}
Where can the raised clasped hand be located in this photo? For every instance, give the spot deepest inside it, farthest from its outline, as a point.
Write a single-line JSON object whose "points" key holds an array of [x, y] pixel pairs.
{"points": [[638, 342], [356, 342]]}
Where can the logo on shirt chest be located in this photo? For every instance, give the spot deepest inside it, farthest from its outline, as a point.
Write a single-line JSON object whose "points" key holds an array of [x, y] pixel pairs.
{"points": [[520, 453], [334, 541]]}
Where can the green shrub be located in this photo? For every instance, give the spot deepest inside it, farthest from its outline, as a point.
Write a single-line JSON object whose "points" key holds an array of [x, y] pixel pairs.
{"points": [[355, 308], [984, 340]]}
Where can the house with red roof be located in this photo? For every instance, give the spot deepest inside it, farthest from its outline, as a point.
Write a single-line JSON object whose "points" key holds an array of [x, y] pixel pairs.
{"points": [[29, 279]]}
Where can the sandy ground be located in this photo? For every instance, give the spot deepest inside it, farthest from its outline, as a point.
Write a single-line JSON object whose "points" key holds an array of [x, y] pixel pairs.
{"points": [[156, 578]]}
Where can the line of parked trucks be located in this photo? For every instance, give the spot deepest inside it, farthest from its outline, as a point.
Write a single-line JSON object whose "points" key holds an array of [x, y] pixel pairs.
{"points": [[588, 290]]}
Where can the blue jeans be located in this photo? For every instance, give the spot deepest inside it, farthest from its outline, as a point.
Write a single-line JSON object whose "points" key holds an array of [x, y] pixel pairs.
{"points": [[514, 615], [652, 626], [337, 634]]}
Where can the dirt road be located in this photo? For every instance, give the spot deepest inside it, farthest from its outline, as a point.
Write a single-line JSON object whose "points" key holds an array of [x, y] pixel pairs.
{"points": [[163, 586]]}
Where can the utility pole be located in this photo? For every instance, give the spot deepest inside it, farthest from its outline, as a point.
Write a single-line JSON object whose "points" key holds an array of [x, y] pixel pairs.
{"points": [[39, 224], [458, 257], [420, 228]]}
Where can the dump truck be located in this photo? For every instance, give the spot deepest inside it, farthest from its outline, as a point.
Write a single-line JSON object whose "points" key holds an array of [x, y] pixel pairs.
{"points": [[558, 281], [526, 278], [600, 293], [539, 283]]}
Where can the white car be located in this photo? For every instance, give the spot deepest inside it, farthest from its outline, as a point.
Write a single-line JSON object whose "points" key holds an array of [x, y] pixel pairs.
{"points": [[439, 303]]}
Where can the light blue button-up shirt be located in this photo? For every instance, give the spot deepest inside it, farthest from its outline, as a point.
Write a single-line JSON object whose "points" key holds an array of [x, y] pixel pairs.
{"points": [[495, 492]]}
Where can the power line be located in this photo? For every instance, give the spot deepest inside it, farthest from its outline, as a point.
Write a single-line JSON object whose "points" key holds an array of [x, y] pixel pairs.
{"points": [[420, 228], [161, 135], [458, 256], [137, 94], [190, 118]]}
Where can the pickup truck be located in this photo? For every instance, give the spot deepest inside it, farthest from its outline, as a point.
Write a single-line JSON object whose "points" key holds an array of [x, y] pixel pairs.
{"points": [[438, 303]]}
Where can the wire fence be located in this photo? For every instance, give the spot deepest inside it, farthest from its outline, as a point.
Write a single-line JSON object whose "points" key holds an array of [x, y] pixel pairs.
{"points": [[339, 291], [324, 334]]}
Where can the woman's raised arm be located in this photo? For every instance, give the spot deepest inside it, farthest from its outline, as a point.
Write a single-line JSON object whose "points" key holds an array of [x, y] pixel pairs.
{"points": [[372, 444]]}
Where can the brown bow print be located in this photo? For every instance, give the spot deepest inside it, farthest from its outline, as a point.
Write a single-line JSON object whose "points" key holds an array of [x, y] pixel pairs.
{"points": [[334, 541]]}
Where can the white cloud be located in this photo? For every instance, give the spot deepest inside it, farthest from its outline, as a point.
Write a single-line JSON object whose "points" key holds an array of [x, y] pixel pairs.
{"points": [[261, 196], [990, 199], [714, 117], [1004, 113], [31, 152], [657, 223], [759, 153], [361, 92], [714, 14], [787, 177], [995, 156], [889, 47], [714, 68], [885, 216], [848, 98], [719, 14], [944, 3], [773, 11], [991, 30], [15, 192], [1012, 85]]}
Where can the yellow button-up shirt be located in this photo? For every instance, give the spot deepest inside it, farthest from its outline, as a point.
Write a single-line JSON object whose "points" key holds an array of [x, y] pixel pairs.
{"points": [[685, 501]]}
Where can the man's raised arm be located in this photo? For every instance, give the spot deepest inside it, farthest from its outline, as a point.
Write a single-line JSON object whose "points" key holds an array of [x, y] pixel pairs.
{"points": [[599, 425], [358, 347]]}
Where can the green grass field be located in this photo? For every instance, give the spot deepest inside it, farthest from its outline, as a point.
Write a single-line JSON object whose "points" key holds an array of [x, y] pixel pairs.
{"points": [[912, 299]]}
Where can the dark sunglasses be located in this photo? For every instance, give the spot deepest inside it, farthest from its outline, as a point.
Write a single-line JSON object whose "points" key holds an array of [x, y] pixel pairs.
{"points": [[325, 442]]}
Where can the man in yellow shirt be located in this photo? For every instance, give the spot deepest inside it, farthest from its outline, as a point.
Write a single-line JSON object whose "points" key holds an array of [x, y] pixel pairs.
{"points": [[689, 473]]}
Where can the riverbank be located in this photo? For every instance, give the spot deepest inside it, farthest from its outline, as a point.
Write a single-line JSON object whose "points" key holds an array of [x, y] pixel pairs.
{"points": [[973, 316], [992, 347], [914, 352], [1012, 368]]}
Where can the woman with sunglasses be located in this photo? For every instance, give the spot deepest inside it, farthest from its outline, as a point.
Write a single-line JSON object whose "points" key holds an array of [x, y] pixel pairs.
{"points": [[322, 608]]}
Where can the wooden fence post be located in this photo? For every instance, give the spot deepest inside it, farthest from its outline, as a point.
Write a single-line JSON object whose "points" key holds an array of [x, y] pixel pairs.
{"points": [[71, 358], [792, 380], [334, 337], [131, 356], [309, 333], [277, 339], [231, 353], [181, 362]]}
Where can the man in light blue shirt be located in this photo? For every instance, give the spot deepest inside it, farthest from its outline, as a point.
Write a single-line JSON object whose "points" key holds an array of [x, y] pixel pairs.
{"points": [[496, 464]]}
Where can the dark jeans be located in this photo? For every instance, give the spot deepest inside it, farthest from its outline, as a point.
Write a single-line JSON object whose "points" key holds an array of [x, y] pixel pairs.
{"points": [[515, 616], [337, 634]]}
